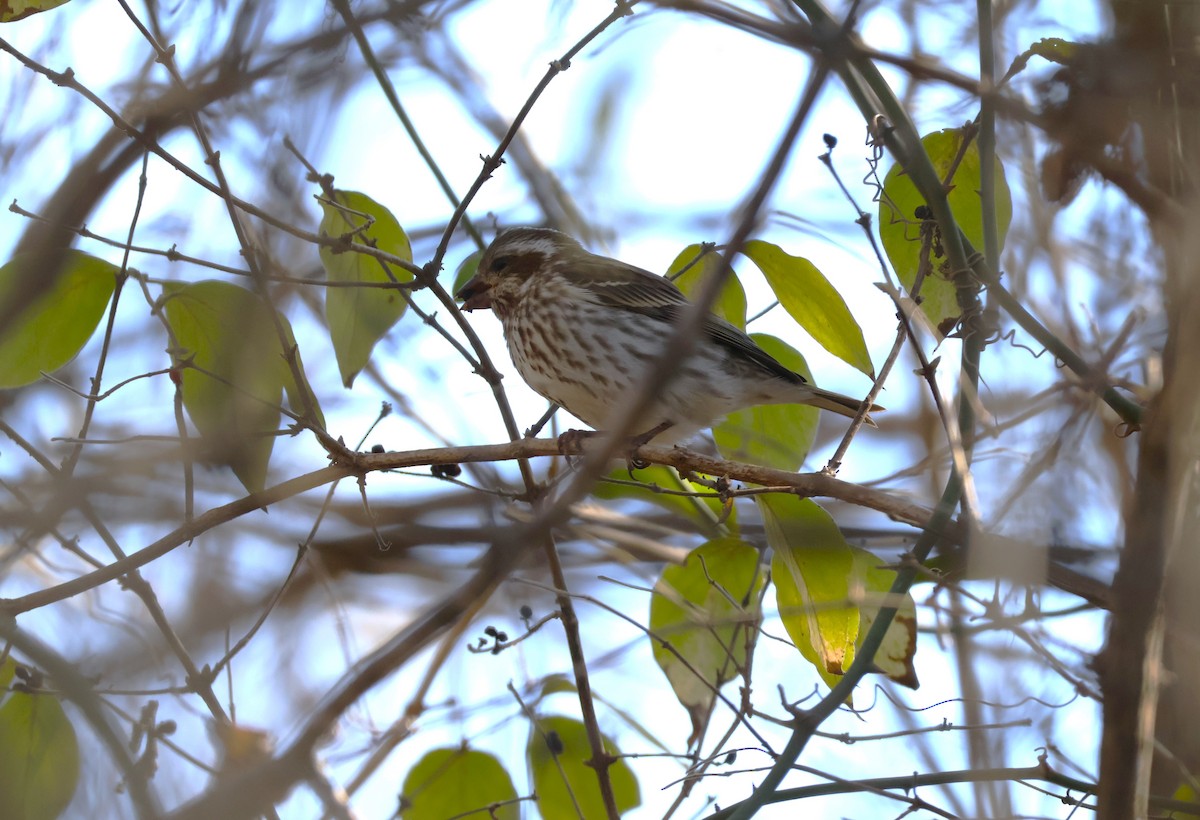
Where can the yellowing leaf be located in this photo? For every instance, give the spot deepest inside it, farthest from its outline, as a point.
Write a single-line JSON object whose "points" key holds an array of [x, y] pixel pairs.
{"points": [[458, 782], [731, 303], [894, 657], [556, 757], [39, 757], [1186, 793], [232, 394], [241, 746], [49, 332], [12, 10], [703, 511], [807, 296], [899, 229], [772, 435], [811, 568], [360, 316], [708, 611]]}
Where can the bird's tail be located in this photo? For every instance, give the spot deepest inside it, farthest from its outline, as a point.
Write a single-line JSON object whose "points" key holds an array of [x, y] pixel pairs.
{"points": [[837, 403]]}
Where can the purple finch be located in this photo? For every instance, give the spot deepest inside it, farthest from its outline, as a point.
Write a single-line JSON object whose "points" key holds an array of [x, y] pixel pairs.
{"points": [[582, 329]]}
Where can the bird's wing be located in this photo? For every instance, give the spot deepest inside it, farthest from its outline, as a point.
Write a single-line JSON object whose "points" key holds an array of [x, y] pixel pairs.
{"points": [[616, 284], [739, 343]]}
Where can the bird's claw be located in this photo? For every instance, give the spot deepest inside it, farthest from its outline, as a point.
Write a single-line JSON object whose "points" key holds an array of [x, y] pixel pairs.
{"points": [[570, 443], [632, 461]]}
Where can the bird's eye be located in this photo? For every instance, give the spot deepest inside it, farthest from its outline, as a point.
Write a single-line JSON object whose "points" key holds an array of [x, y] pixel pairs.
{"points": [[500, 264]]}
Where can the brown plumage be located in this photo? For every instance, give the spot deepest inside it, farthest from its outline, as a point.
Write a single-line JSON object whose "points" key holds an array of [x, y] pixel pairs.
{"points": [[582, 329]]}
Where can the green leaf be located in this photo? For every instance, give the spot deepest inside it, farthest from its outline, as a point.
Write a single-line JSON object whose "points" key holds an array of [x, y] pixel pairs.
{"points": [[39, 756], [708, 611], [555, 685], [8, 670], [704, 511], [12, 10], [812, 568], [1055, 49], [49, 332], [562, 685], [560, 774], [232, 394], [466, 269], [815, 304], [895, 655], [1051, 49], [731, 303], [899, 229], [359, 317], [771, 435], [458, 782], [298, 391]]}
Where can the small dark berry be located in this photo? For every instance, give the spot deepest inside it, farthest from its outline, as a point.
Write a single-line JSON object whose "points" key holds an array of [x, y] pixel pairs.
{"points": [[830, 141], [526, 612], [554, 743], [490, 631], [502, 637], [378, 448]]}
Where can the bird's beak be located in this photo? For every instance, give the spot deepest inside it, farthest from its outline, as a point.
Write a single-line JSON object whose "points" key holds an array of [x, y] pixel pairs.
{"points": [[475, 294]]}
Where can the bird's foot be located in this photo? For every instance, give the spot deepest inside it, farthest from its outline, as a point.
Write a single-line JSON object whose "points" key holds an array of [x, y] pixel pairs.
{"points": [[637, 441], [570, 443]]}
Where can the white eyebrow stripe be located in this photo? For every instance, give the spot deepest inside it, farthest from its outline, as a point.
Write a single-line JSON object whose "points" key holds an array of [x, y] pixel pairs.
{"points": [[543, 247]]}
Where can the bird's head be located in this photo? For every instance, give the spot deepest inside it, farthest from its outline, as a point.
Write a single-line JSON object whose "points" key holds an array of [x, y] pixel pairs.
{"points": [[515, 256]]}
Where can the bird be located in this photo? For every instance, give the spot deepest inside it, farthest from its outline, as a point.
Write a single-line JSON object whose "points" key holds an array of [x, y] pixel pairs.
{"points": [[583, 328]]}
